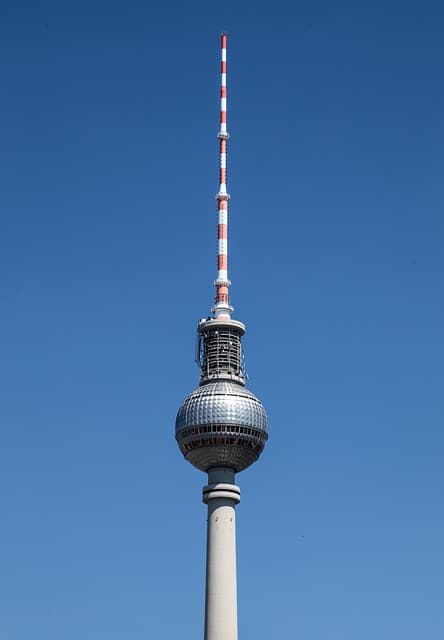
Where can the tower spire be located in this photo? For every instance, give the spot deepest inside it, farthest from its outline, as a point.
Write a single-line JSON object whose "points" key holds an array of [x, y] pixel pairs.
{"points": [[222, 308]]}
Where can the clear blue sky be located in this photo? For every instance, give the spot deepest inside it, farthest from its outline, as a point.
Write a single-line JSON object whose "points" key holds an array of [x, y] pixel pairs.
{"points": [[108, 164]]}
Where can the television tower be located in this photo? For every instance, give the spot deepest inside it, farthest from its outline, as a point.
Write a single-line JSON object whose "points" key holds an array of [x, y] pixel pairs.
{"points": [[221, 427]]}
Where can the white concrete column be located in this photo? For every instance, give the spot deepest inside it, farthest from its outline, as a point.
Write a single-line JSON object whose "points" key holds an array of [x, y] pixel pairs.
{"points": [[221, 495]]}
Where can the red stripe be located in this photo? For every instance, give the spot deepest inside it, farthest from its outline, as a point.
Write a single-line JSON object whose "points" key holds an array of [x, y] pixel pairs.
{"points": [[222, 293], [222, 231], [222, 261]]}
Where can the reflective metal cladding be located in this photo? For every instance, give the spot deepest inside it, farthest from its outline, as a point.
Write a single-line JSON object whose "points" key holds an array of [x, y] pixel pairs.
{"points": [[221, 423], [221, 402]]}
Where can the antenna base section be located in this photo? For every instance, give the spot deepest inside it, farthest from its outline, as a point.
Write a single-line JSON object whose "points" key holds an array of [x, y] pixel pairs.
{"points": [[222, 309], [220, 355]]}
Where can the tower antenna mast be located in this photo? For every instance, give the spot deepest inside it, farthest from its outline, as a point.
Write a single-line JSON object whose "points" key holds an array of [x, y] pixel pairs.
{"points": [[222, 307]]}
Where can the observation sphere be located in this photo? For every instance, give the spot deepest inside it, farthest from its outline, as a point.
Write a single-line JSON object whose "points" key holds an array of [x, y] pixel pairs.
{"points": [[221, 424]]}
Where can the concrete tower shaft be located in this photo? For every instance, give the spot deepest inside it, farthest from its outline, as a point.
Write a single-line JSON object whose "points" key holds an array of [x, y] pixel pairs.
{"points": [[221, 495]]}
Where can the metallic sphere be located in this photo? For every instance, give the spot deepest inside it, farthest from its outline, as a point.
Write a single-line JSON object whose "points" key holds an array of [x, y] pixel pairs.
{"points": [[221, 424]]}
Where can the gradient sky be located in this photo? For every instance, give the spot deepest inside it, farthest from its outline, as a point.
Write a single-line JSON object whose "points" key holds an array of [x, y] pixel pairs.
{"points": [[108, 164]]}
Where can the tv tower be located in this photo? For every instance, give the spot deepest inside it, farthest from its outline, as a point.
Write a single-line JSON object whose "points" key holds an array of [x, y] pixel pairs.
{"points": [[221, 427]]}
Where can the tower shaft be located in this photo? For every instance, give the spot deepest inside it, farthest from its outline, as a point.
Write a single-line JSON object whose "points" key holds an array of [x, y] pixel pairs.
{"points": [[221, 495]]}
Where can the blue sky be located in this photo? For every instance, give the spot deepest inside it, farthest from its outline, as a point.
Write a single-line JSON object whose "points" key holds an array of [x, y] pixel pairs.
{"points": [[108, 158]]}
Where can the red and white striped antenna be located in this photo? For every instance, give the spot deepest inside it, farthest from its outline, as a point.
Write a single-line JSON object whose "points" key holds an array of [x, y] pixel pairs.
{"points": [[222, 308]]}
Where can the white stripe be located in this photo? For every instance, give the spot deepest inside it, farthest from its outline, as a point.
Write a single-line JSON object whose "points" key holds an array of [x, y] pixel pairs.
{"points": [[222, 274], [223, 160], [223, 189], [223, 127], [224, 79], [224, 55], [223, 104], [223, 216], [223, 246]]}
